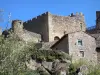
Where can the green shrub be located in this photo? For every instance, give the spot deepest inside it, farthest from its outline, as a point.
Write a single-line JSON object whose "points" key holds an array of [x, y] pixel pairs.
{"points": [[13, 54], [94, 70], [50, 58], [49, 55]]}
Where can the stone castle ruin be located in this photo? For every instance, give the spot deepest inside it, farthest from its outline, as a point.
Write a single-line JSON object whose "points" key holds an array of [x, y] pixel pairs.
{"points": [[51, 26], [66, 33]]}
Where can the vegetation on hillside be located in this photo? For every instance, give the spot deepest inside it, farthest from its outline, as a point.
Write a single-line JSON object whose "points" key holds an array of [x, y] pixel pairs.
{"points": [[90, 69], [14, 53]]}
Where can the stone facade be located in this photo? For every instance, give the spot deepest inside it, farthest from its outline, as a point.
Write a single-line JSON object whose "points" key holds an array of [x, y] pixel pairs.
{"points": [[79, 45], [39, 25], [50, 26], [86, 50], [61, 25]]}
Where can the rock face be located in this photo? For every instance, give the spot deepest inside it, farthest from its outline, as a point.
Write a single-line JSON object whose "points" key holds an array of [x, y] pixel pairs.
{"points": [[49, 62], [84, 69], [32, 64], [47, 65], [56, 67]]}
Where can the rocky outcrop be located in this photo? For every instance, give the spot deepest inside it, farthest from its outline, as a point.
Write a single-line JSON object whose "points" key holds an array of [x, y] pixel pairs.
{"points": [[55, 67], [49, 62]]}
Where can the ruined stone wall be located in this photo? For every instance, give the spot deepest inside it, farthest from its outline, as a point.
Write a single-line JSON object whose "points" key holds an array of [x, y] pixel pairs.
{"points": [[59, 25], [88, 47], [17, 26], [38, 25], [22, 34]]}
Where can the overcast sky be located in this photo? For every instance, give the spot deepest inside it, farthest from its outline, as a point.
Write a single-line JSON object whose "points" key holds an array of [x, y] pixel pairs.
{"points": [[27, 9]]}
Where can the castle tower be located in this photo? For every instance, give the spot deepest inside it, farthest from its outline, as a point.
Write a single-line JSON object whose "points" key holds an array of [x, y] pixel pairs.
{"points": [[98, 19], [17, 26]]}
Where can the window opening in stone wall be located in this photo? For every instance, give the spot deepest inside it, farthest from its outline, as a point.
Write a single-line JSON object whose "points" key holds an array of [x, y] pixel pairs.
{"points": [[81, 25], [81, 53], [20, 22], [56, 38], [80, 43]]}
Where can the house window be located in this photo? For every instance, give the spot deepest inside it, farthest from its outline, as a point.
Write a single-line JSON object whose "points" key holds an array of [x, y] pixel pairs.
{"points": [[20, 22], [80, 42], [82, 53]]}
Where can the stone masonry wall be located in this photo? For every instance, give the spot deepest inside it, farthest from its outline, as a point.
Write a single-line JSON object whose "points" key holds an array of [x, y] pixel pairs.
{"points": [[38, 25], [59, 25], [22, 34], [17, 26], [88, 47], [49, 25], [63, 45]]}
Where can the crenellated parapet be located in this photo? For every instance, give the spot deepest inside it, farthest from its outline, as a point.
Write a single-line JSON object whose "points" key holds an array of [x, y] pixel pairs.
{"points": [[77, 14], [46, 14], [36, 18]]}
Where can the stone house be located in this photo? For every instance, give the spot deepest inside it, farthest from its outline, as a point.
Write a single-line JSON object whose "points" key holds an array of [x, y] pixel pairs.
{"points": [[79, 45]]}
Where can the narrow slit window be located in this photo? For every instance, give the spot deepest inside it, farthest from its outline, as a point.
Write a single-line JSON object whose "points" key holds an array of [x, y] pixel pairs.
{"points": [[81, 25]]}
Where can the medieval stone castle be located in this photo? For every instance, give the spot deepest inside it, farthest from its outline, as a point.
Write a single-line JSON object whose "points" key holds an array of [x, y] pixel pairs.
{"points": [[66, 33]]}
